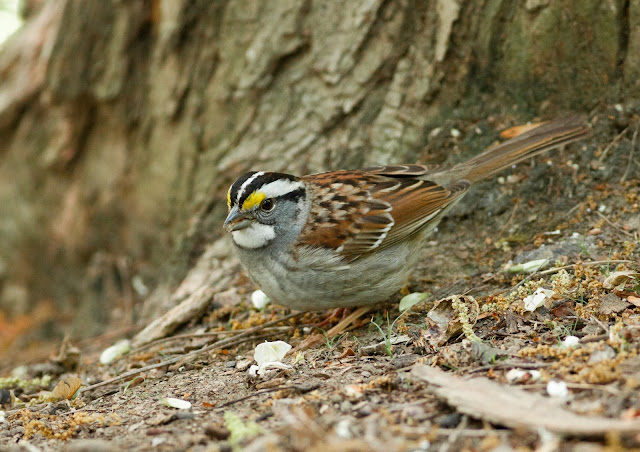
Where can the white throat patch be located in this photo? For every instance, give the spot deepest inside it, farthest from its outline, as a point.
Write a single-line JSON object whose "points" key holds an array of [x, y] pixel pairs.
{"points": [[255, 236]]}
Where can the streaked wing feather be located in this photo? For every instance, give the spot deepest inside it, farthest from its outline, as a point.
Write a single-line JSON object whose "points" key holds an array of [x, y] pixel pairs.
{"points": [[413, 210], [363, 200], [409, 170]]}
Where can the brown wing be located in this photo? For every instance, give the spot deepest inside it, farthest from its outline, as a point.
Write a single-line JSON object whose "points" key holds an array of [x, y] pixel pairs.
{"points": [[356, 212], [409, 170]]}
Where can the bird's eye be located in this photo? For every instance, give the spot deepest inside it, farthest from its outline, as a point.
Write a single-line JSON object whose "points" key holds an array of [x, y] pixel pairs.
{"points": [[267, 205]]}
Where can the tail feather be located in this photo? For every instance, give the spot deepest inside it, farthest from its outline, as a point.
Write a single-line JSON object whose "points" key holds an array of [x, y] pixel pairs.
{"points": [[547, 136]]}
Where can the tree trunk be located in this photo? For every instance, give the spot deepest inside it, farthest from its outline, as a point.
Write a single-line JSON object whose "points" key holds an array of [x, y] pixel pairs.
{"points": [[123, 123]]}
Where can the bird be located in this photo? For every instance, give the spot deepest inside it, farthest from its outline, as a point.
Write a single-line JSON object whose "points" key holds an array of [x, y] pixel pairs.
{"points": [[350, 238]]}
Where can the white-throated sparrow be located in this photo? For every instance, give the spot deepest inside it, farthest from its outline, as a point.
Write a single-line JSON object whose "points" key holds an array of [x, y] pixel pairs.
{"points": [[349, 238]]}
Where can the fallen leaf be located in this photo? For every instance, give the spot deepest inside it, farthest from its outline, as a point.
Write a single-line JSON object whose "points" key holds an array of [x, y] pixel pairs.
{"points": [[66, 388], [533, 302], [270, 352], [347, 352], [114, 352], [412, 299], [634, 300], [68, 356], [528, 267], [172, 402], [564, 309], [445, 320], [612, 304], [617, 280]]}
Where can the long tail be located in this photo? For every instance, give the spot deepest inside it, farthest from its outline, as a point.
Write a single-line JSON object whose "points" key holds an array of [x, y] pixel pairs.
{"points": [[547, 136]]}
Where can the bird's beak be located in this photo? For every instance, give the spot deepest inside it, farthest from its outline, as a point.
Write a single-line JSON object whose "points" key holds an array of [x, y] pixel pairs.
{"points": [[236, 220]]}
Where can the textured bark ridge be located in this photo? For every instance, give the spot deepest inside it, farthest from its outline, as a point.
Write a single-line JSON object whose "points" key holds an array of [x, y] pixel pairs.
{"points": [[122, 123]]}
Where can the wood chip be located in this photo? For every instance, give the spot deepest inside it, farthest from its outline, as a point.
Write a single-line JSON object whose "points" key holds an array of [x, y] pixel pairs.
{"points": [[513, 407]]}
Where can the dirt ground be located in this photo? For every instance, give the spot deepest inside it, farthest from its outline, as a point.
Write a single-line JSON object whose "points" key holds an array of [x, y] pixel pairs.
{"points": [[579, 208]]}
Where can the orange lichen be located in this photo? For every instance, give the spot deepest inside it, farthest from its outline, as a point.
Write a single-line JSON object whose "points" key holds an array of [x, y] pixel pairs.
{"points": [[62, 427], [574, 364]]}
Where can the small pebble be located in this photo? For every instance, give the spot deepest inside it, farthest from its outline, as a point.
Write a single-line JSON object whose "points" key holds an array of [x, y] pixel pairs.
{"points": [[364, 409], [571, 342], [17, 431], [522, 376], [157, 441], [415, 412], [259, 299], [345, 406], [605, 354], [450, 420], [5, 397], [244, 364], [557, 389], [217, 432], [343, 429]]}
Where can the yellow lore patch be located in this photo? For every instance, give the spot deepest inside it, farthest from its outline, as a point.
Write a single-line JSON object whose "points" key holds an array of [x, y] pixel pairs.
{"points": [[253, 199], [229, 198]]}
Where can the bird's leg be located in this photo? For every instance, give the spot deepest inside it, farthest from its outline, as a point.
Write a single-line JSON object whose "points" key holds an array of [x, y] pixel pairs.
{"points": [[348, 320], [334, 315], [315, 339]]}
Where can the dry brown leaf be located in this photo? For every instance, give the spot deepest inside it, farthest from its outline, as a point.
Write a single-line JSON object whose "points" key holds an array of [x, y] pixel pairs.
{"points": [[634, 300], [66, 388], [617, 280], [68, 355], [445, 321], [347, 352], [612, 304]]}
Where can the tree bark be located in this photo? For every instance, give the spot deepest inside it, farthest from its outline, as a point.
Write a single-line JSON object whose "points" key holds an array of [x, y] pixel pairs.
{"points": [[123, 123]]}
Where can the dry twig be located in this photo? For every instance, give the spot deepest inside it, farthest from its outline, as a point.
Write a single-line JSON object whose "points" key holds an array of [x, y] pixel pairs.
{"points": [[633, 147], [510, 219], [617, 228], [296, 387], [208, 334], [613, 143], [242, 337]]}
